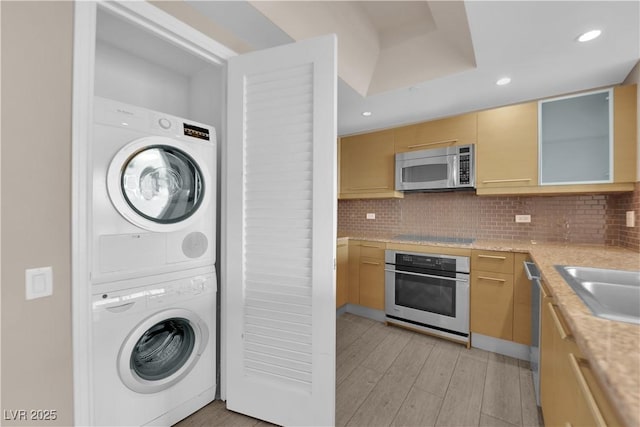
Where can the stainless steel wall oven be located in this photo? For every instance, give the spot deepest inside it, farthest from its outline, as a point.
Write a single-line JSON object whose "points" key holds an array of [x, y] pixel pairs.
{"points": [[428, 292]]}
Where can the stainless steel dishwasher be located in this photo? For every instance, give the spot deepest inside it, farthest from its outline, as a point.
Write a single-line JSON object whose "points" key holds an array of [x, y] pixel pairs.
{"points": [[534, 351]]}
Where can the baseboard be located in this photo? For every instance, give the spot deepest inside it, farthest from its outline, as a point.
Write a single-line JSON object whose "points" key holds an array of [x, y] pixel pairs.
{"points": [[497, 345], [367, 312]]}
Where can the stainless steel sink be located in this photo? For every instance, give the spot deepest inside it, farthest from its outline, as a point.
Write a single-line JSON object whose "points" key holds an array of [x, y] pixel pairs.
{"points": [[611, 294]]}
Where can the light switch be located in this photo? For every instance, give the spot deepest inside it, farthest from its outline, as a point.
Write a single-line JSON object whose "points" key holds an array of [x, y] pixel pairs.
{"points": [[630, 219], [38, 282]]}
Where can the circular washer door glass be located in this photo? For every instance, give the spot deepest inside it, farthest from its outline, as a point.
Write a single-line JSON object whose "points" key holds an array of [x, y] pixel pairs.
{"points": [[162, 184], [163, 349]]}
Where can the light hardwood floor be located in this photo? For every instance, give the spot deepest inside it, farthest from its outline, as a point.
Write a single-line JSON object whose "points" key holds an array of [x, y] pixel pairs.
{"points": [[387, 376]]}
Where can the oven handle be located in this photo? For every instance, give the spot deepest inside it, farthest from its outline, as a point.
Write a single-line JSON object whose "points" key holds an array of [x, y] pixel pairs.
{"points": [[410, 273]]}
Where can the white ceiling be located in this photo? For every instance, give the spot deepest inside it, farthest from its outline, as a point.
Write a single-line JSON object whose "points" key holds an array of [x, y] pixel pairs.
{"points": [[533, 42]]}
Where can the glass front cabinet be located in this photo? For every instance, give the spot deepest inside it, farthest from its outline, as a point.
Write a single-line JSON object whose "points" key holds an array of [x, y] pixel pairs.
{"points": [[576, 139]]}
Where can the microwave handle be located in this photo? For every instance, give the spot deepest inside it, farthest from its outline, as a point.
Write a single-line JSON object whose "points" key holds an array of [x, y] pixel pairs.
{"points": [[452, 165]]}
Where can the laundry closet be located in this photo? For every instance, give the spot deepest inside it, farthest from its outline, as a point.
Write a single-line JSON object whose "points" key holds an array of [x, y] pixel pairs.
{"points": [[204, 223], [154, 147]]}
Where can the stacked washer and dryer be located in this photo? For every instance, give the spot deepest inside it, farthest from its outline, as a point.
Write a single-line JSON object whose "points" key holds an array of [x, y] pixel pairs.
{"points": [[152, 265]]}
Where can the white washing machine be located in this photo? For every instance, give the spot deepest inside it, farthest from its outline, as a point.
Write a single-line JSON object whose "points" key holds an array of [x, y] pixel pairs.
{"points": [[154, 351], [153, 194]]}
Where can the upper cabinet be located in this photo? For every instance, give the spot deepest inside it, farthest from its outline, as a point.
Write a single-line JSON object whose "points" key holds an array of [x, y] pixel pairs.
{"points": [[581, 143], [507, 149], [574, 144], [367, 164], [457, 130], [576, 139], [588, 142], [625, 133]]}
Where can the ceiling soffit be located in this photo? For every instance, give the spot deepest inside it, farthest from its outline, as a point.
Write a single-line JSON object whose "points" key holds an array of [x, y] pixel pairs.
{"points": [[383, 45]]}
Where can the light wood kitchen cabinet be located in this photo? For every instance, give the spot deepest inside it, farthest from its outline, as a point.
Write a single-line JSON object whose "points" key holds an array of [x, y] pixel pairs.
{"points": [[569, 392], [507, 149], [342, 273], [353, 293], [625, 138], [492, 304], [367, 166], [450, 131], [503, 168], [521, 301], [491, 309], [372, 274], [366, 273], [500, 296]]}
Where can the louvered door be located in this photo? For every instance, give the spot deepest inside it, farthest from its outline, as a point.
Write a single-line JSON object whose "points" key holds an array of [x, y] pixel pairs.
{"points": [[281, 230]]}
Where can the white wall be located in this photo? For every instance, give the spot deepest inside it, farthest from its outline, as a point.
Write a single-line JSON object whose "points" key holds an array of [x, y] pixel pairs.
{"points": [[36, 207], [634, 77]]}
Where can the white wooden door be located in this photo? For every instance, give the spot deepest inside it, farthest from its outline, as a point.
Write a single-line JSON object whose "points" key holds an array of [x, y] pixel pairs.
{"points": [[281, 233]]}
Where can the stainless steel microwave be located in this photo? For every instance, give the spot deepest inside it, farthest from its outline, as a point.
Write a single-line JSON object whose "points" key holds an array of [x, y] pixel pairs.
{"points": [[436, 169]]}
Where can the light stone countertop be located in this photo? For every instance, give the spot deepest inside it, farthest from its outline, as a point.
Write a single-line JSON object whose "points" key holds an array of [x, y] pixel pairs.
{"points": [[612, 348]]}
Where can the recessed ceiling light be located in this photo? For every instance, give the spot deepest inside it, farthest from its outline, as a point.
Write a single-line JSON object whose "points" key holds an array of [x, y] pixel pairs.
{"points": [[503, 81], [366, 113], [589, 35]]}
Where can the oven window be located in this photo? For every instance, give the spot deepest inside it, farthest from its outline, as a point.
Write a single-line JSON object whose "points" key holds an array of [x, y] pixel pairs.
{"points": [[425, 173], [426, 294]]}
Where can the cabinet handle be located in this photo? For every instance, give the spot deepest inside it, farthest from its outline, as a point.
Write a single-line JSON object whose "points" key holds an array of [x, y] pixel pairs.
{"points": [[426, 144], [368, 188], [502, 258], [556, 320], [493, 279], [370, 262], [371, 246], [497, 181], [586, 392], [544, 292]]}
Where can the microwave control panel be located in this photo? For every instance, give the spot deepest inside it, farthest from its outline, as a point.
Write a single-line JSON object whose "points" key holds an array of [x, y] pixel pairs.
{"points": [[464, 166]]}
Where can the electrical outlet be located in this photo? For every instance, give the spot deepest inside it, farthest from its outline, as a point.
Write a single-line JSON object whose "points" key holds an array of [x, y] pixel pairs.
{"points": [[523, 218], [631, 219], [371, 216]]}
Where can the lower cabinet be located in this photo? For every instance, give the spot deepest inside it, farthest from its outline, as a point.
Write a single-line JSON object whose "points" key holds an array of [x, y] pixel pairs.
{"points": [[342, 273], [569, 392], [372, 274], [363, 273], [521, 301], [492, 304], [500, 296]]}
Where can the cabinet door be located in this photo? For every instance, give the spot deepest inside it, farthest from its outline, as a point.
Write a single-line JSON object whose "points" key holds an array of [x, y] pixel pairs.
{"points": [[492, 304], [507, 150], [342, 274], [576, 139], [353, 293], [458, 130], [625, 125], [372, 283], [521, 301], [367, 165], [548, 368]]}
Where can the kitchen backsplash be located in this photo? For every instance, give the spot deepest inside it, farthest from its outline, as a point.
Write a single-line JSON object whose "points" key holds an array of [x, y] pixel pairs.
{"points": [[594, 219]]}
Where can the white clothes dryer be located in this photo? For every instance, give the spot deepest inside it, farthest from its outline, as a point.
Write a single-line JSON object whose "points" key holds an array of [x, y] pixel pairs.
{"points": [[154, 351], [153, 193]]}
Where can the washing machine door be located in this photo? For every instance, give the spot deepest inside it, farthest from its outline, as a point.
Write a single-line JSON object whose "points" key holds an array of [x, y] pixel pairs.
{"points": [[162, 350], [158, 184]]}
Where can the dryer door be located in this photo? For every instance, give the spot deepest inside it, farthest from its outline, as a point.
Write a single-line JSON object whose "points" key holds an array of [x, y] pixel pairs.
{"points": [[162, 350], [157, 184]]}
